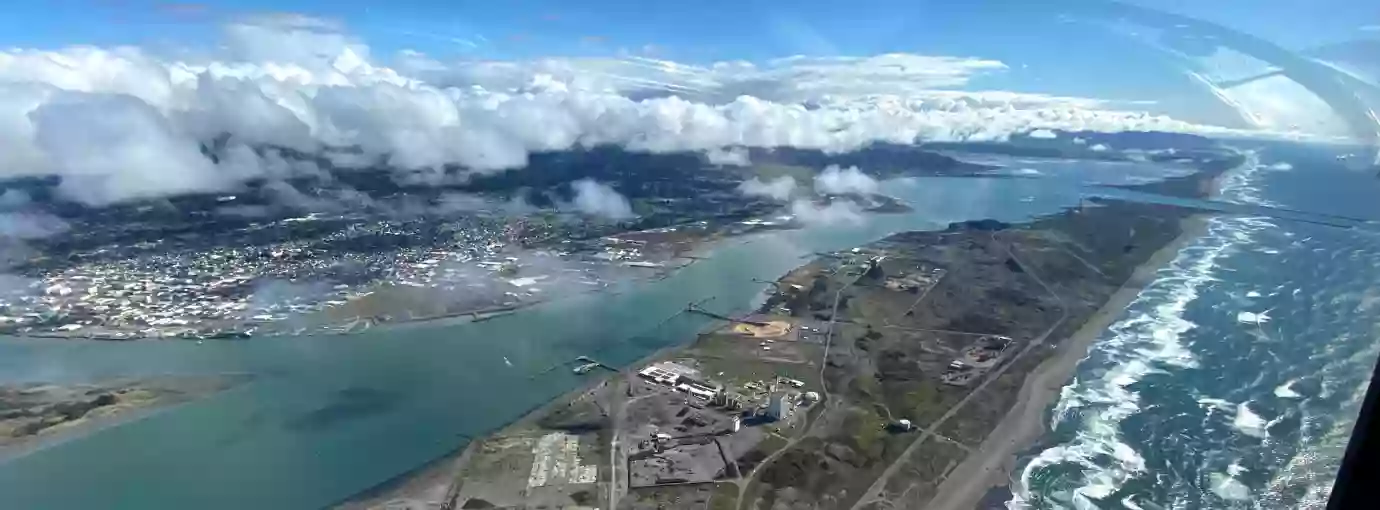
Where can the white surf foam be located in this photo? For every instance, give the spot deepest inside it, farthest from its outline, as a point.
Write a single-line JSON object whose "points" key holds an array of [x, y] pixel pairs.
{"points": [[1150, 339], [1236, 469], [1240, 186], [1216, 404], [1249, 423], [1311, 470], [1229, 488], [1252, 317], [1286, 390]]}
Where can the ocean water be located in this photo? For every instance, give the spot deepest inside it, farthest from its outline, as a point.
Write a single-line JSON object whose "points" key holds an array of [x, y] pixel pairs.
{"points": [[328, 417], [1234, 378]]}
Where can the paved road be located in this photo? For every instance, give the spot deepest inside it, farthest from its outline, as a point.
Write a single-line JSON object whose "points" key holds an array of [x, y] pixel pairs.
{"points": [[823, 392], [619, 404], [872, 492]]}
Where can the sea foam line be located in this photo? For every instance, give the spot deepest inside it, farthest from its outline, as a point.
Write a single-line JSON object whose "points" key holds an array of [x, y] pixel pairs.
{"points": [[1148, 341]]}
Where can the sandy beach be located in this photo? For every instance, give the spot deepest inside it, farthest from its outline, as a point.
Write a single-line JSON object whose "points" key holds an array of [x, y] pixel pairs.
{"points": [[1024, 424]]}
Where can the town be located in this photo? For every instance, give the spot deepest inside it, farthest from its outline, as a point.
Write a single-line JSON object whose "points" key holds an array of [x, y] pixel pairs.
{"points": [[321, 273]]}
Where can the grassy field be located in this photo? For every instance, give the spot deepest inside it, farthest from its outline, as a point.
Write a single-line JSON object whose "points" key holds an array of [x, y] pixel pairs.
{"points": [[741, 360], [725, 497]]}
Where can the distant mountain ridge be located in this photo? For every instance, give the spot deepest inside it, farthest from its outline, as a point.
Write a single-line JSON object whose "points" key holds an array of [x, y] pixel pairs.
{"points": [[542, 181]]}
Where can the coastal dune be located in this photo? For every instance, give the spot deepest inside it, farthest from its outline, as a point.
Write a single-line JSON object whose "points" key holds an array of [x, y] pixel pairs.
{"points": [[990, 468]]}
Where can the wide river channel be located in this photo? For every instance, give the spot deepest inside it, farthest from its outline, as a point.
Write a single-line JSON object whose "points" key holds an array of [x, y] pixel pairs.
{"points": [[329, 416]]}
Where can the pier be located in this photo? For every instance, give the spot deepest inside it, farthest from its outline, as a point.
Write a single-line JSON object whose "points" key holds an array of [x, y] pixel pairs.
{"points": [[588, 361]]}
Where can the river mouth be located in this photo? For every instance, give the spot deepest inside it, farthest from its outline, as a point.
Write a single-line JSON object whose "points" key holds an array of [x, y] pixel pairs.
{"points": [[328, 417]]}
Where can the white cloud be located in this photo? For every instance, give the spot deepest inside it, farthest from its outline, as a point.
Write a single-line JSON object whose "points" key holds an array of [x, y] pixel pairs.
{"points": [[838, 212], [27, 225], [802, 78], [1077, 140], [14, 199], [291, 38], [110, 147], [1043, 134], [728, 156], [779, 188], [1282, 165], [834, 180], [1098, 147], [122, 123], [598, 199]]}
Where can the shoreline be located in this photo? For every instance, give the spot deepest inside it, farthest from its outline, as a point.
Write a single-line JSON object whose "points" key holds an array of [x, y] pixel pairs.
{"points": [[988, 470], [429, 484], [418, 485], [361, 324], [175, 391]]}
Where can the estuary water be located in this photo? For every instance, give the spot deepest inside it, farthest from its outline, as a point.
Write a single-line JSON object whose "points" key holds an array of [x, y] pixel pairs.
{"points": [[328, 417], [1172, 406]]}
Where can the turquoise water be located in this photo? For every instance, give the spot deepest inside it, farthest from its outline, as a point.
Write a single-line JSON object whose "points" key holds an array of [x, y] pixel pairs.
{"points": [[328, 417]]}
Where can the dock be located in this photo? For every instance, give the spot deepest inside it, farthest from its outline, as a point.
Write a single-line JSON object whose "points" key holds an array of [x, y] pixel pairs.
{"points": [[591, 363], [585, 365]]}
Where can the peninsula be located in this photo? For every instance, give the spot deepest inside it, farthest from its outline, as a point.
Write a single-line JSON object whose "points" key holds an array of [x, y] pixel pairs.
{"points": [[905, 373]]}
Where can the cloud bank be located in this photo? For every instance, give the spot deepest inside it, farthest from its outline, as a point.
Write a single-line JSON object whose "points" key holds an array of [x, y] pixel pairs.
{"points": [[734, 156], [28, 225], [838, 212], [779, 188], [123, 123], [598, 199], [837, 181]]}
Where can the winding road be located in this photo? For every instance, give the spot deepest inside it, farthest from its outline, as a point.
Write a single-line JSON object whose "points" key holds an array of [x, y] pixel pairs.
{"points": [[874, 491]]}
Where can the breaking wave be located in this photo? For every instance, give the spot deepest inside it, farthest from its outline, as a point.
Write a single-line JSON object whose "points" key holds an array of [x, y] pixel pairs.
{"points": [[1192, 399]]}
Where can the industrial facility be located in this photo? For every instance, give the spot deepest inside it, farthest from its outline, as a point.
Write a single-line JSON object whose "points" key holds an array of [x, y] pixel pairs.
{"points": [[684, 427]]}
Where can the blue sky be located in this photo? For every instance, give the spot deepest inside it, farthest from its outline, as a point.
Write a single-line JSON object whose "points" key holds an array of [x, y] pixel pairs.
{"points": [[1045, 52], [307, 74], [712, 29]]}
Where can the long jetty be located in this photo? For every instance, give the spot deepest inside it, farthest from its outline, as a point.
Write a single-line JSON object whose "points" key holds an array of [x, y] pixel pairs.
{"points": [[694, 308]]}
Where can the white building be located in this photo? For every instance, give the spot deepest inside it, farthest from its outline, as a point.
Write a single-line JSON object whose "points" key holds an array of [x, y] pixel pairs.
{"points": [[660, 375], [776, 407]]}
